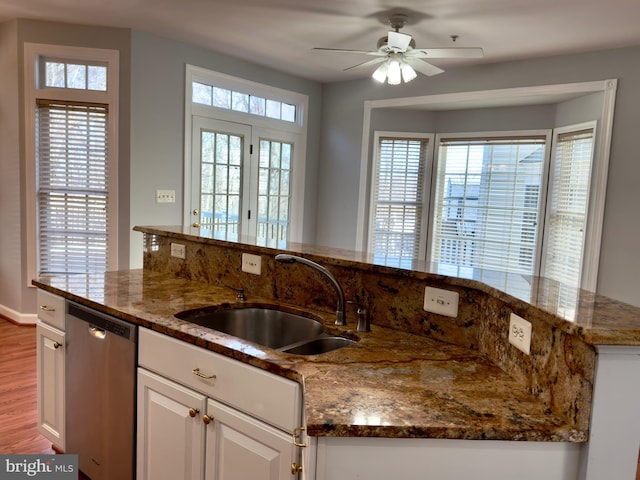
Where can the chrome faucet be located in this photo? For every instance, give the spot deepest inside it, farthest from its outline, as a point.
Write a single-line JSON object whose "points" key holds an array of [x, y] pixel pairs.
{"points": [[340, 316]]}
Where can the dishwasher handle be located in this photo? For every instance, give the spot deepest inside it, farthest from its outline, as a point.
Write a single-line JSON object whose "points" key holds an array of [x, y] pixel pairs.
{"points": [[97, 332]]}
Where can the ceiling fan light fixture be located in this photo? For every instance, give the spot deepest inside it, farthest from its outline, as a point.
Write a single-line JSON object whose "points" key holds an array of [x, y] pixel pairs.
{"points": [[380, 74], [408, 73], [394, 73]]}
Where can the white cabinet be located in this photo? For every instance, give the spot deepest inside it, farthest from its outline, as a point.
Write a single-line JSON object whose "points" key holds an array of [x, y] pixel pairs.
{"points": [[240, 447], [200, 413], [50, 358], [170, 429]]}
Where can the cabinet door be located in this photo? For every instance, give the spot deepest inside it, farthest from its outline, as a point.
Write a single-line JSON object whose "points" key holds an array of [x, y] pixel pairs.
{"points": [[240, 447], [50, 353], [170, 443]]}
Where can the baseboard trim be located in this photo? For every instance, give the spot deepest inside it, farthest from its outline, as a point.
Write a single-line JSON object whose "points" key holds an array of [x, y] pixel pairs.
{"points": [[17, 317]]}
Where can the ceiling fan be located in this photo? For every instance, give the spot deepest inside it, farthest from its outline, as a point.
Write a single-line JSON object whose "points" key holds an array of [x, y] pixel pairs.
{"points": [[398, 58]]}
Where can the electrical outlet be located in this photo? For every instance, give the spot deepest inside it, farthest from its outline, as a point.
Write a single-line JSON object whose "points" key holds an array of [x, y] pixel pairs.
{"points": [[178, 250], [165, 196], [520, 333], [252, 263], [443, 302]]}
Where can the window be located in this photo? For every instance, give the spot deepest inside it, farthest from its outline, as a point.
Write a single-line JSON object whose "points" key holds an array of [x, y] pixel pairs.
{"points": [[59, 73], [71, 150], [242, 102], [487, 203], [244, 165], [490, 195], [398, 198], [567, 210], [72, 187]]}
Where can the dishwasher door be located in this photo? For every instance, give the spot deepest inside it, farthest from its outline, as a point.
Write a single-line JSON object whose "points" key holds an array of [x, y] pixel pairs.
{"points": [[100, 387]]}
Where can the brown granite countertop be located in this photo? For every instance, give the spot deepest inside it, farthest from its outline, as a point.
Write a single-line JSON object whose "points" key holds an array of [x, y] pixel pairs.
{"points": [[389, 384]]}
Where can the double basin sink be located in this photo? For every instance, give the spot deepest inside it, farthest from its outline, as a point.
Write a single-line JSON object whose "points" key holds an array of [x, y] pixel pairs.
{"points": [[288, 332]]}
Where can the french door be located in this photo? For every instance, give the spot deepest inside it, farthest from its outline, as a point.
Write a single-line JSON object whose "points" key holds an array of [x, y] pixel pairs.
{"points": [[241, 182]]}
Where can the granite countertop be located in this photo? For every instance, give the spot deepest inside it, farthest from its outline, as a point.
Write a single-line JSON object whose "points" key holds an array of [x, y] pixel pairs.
{"points": [[389, 384]]}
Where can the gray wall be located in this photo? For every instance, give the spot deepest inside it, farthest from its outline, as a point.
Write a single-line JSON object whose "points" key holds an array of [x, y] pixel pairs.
{"points": [[340, 148], [157, 127], [12, 282]]}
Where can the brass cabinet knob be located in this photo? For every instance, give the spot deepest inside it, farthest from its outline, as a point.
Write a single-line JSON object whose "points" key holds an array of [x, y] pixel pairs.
{"points": [[47, 308], [196, 212], [195, 225], [193, 412], [295, 468], [57, 344], [207, 419]]}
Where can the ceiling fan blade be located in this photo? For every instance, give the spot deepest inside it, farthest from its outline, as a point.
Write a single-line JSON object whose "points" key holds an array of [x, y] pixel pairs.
{"points": [[453, 52], [362, 52], [424, 67], [368, 63], [398, 41]]}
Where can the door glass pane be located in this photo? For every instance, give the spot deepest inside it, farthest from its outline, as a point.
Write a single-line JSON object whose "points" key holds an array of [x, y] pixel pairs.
{"points": [[274, 193], [221, 184]]}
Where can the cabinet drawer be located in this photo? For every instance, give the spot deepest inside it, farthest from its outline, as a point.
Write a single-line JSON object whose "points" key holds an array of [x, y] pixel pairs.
{"points": [[273, 399], [51, 309]]}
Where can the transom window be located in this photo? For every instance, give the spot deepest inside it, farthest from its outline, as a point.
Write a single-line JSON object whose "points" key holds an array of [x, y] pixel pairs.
{"points": [[219, 97], [58, 73]]}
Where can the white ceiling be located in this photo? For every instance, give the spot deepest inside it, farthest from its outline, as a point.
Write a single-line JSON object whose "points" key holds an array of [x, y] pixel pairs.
{"points": [[282, 33]]}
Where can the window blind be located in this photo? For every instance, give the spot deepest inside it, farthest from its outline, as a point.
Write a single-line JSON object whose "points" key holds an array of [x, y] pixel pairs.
{"points": [[567, 206], [487, 202], [398, 203], [71, 151]]}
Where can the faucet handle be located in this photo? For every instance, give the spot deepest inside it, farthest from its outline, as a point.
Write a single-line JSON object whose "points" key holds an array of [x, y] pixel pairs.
{"points": [[364, 321], [240, 296]]}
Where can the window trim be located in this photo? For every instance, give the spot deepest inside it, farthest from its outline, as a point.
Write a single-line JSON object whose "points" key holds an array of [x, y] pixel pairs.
{"points": [[518, 96], [298, 128], [32, 52]]}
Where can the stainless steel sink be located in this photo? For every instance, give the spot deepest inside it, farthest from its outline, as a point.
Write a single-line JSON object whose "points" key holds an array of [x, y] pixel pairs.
{"points": [[264, 326], [319, 345], [269, 327]]}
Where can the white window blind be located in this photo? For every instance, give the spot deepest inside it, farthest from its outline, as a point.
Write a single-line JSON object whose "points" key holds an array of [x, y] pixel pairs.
{"points": [[487, 202], [397, 207], [568, 206], [71, 152]]}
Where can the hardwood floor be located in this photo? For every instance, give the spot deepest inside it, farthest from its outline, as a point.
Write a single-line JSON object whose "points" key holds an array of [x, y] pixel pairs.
{"points": [[18, 396]]}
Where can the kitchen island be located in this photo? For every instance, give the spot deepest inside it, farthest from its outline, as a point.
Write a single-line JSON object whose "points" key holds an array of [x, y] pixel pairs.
{"points": [[415, 376]]}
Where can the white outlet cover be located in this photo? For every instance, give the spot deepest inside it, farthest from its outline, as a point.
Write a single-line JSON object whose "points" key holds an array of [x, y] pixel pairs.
{"points": [[442, 302], [251, 263], [520, 333], [178, 250]]}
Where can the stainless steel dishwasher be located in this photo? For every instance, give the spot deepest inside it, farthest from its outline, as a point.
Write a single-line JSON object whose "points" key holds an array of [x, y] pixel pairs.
{"points": [[100, 371]]}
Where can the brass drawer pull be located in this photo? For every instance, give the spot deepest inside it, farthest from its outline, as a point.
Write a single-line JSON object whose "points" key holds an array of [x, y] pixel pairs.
{"points": [[295, 468], [196, 371], [47, 308]]}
